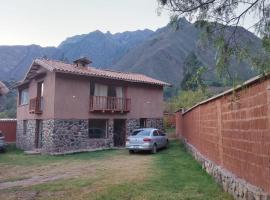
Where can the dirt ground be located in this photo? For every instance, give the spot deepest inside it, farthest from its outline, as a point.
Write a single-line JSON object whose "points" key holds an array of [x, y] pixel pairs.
{"points": [[33, 182]]}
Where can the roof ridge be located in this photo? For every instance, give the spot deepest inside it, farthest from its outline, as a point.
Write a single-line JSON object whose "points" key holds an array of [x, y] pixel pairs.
{"points": [[122, 72], [54, 60]]}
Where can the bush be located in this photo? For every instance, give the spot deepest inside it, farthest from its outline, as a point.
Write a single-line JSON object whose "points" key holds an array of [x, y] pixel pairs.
{"points": [[187, 99]]}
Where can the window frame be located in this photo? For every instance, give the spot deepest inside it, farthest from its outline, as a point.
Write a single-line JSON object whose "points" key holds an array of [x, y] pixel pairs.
{"points": [[93, 128], [21, 96]]}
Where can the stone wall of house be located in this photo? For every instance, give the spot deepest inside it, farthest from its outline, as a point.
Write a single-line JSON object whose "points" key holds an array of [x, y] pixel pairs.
{"points": [[47, 143], [72, 135], [63, 136], [26, 141], [150, 123], [132, 124], [154, 123]]}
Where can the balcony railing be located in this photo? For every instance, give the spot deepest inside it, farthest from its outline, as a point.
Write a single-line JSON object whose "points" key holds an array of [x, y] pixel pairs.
{"points": [[36, 105], [109, 104]]}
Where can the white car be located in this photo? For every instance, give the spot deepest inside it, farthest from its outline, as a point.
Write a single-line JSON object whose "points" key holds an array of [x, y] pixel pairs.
{"points": [[147, 139]]}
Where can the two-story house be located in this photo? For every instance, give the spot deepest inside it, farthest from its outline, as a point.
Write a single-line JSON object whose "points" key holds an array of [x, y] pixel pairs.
{"points": [[71, 107]]}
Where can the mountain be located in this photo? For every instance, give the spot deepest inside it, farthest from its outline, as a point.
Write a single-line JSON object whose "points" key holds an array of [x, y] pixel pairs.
{"points": [[164, 53], [161, 54], [15, 60], [103, 48]]}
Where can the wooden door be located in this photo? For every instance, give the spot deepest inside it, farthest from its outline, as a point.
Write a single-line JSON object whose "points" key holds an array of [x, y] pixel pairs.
{"points": [[38, 134]]}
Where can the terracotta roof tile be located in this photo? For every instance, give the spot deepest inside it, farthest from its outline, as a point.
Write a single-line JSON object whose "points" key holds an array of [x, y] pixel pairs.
{"points": [[59, 66]]}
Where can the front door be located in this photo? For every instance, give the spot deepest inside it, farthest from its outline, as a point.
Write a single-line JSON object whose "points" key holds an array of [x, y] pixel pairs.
{"points": [[38, 134], [119, 132]]}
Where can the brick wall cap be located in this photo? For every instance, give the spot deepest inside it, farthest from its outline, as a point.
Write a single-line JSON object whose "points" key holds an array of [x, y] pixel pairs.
{"points": [[7, 119]]}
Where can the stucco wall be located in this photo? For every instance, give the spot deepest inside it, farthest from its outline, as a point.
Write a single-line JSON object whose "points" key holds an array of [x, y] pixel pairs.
{"points": [[48, 112], [73, 92], [233, 131]]}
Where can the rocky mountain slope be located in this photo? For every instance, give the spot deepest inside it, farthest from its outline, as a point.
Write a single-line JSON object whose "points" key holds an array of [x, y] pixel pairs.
{"points": [[14, 60], [163, 54], [160, 54], [103, 48]]}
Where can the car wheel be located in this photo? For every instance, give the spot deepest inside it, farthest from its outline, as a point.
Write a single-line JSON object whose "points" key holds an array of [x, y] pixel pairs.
{"points": [[154, 149], [131, 151], [167, 144]]}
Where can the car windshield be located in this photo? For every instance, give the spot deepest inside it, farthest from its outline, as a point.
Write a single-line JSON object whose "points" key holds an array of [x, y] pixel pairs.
{"points": [[141, 133]]}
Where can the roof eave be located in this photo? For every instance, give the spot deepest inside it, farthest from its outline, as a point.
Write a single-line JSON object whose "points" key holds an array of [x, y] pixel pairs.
{"points": [[112, 78]]}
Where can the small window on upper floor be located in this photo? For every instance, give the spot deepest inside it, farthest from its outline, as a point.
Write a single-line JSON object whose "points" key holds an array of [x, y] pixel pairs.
{"points": [[23, 96]]}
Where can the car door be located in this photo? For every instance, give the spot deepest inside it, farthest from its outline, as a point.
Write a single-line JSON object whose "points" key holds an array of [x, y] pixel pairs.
{"points": [[163, 139], [156, 138]]}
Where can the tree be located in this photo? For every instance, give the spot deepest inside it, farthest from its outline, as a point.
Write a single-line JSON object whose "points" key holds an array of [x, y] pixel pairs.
{"points": [[193, 72], [220, 19], [186, 99], [227, 12]]}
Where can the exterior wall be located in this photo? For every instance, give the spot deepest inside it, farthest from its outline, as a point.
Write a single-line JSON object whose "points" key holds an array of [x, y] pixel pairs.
{"points": [[47, 139], [48, 112], [73, 92], [233, 132], [131, 125], [67, 136], [26, 141], [150, 123], [178, 124], [70, 135], [8, 128]]}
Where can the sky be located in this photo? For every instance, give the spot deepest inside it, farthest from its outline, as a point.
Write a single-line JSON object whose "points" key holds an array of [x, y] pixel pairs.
{"points": [[49, 22]]}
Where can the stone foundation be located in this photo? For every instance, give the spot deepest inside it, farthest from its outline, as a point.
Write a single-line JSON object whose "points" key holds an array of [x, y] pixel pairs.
{"points": [[132, 124], [26, 141], [150, 123], [154, 123], [239, 188], [61, 136]]}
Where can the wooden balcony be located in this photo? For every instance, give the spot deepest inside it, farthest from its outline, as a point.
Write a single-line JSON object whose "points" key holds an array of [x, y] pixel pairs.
{"points": [[109, 104], [36, 105]]}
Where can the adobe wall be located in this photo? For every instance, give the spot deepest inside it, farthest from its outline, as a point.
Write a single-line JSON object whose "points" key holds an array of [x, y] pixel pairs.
{"points": [[232, 133]]}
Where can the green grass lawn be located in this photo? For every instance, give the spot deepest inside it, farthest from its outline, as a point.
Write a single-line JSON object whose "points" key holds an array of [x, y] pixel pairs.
{"points": [[176, 175], [169, 174]]}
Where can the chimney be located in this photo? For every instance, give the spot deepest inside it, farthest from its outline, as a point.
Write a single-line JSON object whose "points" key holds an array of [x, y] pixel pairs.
{"points": [[82, 62]]}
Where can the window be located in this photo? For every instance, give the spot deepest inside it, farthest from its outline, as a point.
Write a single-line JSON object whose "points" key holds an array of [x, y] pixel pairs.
{"points": [[24, 127], [161, 133], [142, 122], [136, 132], [155, 133], [143, 133], [97, 128], [97, 89], [23, 96]]}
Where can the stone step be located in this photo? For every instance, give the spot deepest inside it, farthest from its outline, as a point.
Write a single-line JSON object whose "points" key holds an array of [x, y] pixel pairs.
{"points": [[33, 152]]}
